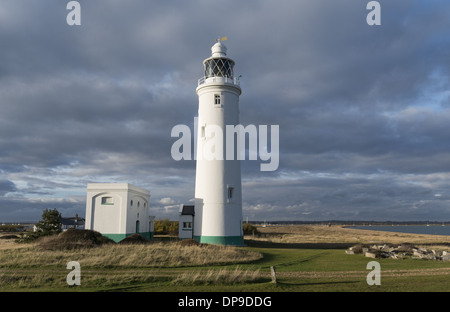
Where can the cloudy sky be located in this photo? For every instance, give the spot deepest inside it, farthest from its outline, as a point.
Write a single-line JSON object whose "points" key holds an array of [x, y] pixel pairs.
{"points": [[363, 111]]}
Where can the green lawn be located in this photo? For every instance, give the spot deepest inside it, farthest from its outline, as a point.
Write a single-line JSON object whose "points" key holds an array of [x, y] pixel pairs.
{"points": [[298, 270], [319, 270]]}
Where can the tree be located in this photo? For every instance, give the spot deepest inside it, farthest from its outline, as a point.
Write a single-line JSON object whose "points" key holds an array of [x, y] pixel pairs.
{"points": [[164, 227], [249, 229], [50, 223]]}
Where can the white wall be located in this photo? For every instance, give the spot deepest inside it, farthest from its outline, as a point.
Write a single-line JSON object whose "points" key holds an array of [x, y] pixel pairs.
{"points": [[128, 204], [215, 215], [184, 233]]}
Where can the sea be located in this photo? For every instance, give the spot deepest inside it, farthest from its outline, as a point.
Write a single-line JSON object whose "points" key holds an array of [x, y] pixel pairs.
{"points": [[415, 229]]}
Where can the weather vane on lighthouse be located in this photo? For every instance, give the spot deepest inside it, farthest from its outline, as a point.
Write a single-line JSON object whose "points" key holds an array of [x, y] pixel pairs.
{"points": [[222, 39]]}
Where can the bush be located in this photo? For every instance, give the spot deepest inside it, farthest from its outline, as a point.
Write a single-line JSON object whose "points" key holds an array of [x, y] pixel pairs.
{"points": [[73, 239], [165, 227], [249, 229], [134, 239]]}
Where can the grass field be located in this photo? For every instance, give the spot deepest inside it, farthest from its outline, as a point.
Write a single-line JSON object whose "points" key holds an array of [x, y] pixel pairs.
{"points": [[306, 258]]}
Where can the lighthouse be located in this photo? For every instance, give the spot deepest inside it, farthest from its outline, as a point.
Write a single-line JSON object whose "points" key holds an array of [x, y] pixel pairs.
{"points": [[218, 197]]}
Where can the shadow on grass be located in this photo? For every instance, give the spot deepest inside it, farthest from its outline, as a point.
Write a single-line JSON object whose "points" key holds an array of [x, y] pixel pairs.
{"points": [[287, 284], [264, 244], [270, 259]]}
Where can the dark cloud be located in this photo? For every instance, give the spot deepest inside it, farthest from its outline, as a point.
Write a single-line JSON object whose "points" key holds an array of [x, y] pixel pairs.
{"points": [[6, 186], [362, 110]]}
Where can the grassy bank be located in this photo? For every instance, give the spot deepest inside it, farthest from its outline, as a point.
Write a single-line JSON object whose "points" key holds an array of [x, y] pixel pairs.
{"points": [[157, 255]]}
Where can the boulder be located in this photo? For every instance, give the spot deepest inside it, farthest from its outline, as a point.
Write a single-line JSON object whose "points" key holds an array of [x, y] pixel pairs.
{"points": [[370, 254], [398, 252]]}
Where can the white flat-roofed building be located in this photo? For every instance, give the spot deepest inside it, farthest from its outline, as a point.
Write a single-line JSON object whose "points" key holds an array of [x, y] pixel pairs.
{"points": [[118, 210], [186, 222]]}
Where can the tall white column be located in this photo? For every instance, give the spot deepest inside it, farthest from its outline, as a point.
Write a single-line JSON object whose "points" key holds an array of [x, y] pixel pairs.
{"points": [[218, 197]]}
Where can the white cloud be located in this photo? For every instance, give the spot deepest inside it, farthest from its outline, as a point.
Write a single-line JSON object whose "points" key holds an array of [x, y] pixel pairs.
{"points": [[167, 201]]}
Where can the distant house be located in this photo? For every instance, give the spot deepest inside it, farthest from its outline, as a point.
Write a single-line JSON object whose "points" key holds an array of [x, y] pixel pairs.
{"points": [[68, 223], [72, 223], [186, 222]]}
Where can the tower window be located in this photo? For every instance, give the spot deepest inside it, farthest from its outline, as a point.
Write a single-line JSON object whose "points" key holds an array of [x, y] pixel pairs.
{"points": [[203, 131], [107, 201], [217, 99], [230, 192]]}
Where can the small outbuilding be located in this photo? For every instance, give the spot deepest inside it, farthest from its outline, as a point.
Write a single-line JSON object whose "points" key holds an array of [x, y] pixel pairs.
{"points": [[118, 210], [186, 222]]}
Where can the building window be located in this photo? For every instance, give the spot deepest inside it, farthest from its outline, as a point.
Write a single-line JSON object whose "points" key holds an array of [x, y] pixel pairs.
{"points": [[217, 99], [107, 201], [230, 192], [187, 225], [131, 203]]}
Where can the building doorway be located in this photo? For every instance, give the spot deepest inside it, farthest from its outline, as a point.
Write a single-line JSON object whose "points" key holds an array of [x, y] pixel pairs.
{"points": [[137, 226]]}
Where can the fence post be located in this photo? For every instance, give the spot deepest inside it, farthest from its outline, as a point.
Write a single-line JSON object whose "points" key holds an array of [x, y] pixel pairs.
{"points": [[274, 274]]}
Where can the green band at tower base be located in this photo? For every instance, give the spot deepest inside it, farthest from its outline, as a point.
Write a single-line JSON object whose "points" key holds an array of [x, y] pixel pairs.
{"points": [[221, 240]]}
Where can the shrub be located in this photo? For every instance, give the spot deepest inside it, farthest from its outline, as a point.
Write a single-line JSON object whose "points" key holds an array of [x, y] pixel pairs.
{"points": [[164, 227], [134, 239], [249, 229], [73, 239]]}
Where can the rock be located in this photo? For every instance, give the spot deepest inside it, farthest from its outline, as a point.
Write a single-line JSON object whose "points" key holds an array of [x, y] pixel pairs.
{"points": [[416, 253], [370, 255], [404, 248], [399, 252]]}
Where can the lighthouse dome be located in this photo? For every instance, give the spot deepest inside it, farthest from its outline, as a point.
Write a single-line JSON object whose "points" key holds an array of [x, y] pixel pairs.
{"points": [[218, 67], [219, 49]]}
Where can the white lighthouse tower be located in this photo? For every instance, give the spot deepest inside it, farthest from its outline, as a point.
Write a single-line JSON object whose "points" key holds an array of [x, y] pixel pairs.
{"points": [[218, 198]]}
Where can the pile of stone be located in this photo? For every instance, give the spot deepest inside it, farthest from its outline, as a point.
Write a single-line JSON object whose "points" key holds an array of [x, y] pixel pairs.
{"points": [[398, 252]]}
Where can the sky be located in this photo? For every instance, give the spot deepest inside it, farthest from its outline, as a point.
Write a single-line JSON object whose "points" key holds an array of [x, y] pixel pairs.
{"points": [[363, 111]]}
